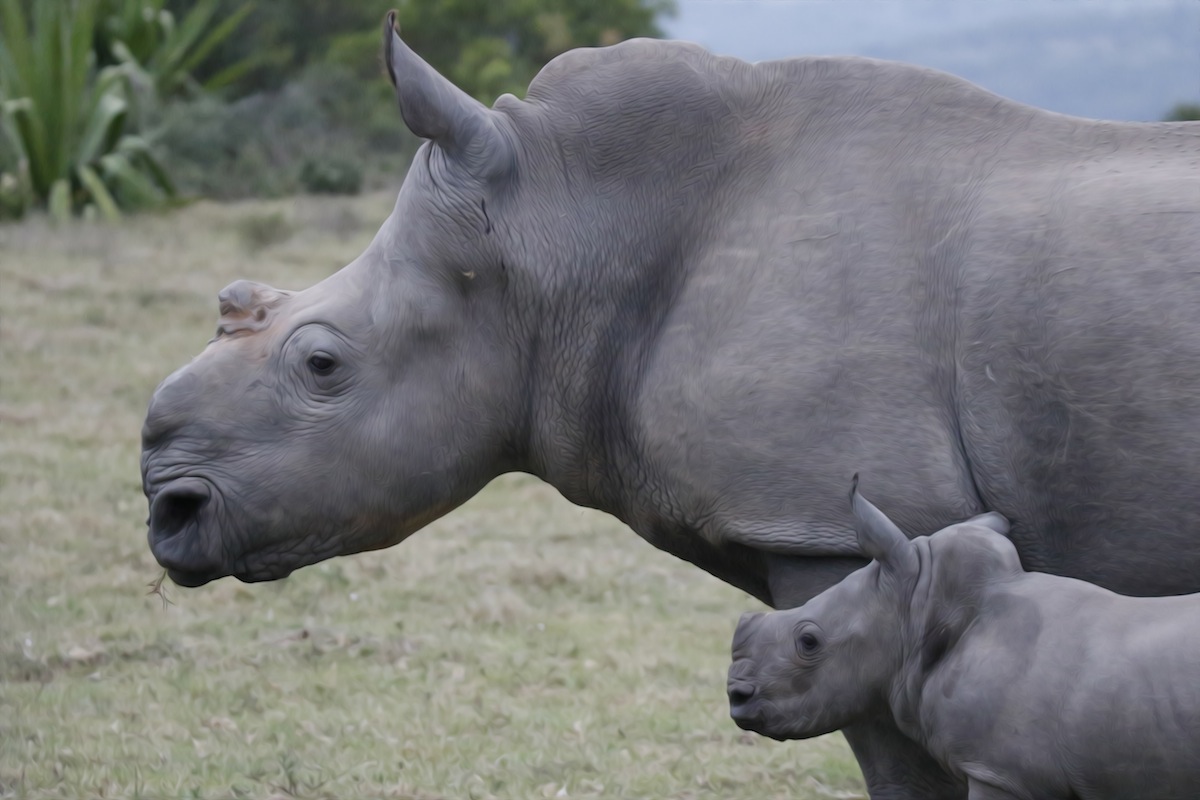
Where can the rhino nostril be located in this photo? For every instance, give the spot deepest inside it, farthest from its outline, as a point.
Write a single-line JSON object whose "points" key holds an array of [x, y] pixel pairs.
{"points": [[175, 508]]}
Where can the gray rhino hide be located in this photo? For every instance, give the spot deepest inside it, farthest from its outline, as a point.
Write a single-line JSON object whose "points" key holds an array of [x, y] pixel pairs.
{"points": [[698, 293]]}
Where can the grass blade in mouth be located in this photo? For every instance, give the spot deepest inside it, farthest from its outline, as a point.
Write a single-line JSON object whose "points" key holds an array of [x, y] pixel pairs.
{"points": [[157, 587]]}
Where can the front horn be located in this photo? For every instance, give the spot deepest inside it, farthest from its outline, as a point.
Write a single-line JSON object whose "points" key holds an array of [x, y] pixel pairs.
{"points": [[435, 109]]}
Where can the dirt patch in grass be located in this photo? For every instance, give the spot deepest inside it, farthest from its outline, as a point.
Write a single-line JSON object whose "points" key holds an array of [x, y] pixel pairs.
{"points": [[519, 648]]}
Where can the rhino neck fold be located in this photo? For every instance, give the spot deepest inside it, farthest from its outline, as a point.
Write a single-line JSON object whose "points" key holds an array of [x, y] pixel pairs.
{"points": [[592, 344]]}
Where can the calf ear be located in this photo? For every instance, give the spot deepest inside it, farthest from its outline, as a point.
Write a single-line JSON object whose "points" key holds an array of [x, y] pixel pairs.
{"points": [[434, 108], [878, 536], [991, 520]]}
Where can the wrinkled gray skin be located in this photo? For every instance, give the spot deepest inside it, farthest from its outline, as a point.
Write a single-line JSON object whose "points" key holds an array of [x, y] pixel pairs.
{"points": [[1026, 685], [669, 283]]}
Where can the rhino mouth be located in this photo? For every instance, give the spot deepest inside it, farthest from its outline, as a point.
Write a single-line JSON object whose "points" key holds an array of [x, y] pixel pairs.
{"points": [[178, 513], [191, 580]]}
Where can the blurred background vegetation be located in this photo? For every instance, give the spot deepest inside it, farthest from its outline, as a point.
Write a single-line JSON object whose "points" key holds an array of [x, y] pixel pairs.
{"points": [[108, 106], [113, 105]]}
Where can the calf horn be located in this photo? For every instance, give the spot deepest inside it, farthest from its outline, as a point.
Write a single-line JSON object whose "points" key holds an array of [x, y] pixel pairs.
{"points": [[878, 537]]}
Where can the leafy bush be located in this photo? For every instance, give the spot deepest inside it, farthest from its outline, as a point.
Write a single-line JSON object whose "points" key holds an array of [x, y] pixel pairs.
{"points": [[68, 142], [487, 46], [261, 230], [1183, 112], [330, 176], [258, 146]]}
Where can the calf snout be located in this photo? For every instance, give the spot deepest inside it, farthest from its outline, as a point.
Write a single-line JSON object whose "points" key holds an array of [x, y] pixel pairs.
{"points": [[743, 693], [744, 705], [741, 702], [744, 632]]}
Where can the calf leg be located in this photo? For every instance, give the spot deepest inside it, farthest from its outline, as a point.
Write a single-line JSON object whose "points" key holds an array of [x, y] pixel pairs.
{"points": [[985, 791], [895, 767]]}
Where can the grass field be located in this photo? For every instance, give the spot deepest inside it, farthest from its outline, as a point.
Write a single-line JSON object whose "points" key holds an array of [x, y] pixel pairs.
{"points": [[519, 648]]}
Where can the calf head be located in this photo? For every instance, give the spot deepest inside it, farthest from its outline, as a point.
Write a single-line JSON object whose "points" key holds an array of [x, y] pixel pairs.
{"points": [[807, 671]]}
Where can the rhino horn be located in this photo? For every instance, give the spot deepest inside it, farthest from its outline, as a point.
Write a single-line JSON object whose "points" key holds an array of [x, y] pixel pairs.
{"points": [[435, 109], [878, 537], [246, 306]]}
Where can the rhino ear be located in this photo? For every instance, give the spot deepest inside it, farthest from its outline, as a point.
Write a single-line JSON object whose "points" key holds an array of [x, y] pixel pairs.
{"points": [[878, 536], [435, 109]]}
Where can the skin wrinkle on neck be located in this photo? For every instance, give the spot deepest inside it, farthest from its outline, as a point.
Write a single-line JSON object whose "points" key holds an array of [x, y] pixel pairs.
{"points": [[905, 695]]}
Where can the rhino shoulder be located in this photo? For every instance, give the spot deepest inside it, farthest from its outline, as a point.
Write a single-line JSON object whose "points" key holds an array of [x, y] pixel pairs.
{"points": [[634, 65]]}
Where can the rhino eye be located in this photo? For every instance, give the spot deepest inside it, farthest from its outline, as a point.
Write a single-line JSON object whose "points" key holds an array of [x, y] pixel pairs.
{"points": [[321, 364], [807, 643]]}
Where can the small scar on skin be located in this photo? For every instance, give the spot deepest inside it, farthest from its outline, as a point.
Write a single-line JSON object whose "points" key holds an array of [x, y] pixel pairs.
{"points": [[469, 275]]}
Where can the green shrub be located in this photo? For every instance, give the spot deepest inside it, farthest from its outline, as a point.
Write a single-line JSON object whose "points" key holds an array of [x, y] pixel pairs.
{"points": [[526, 33], [1183, 112], [259, 146], [330, 176], [259, 231], [144, 34], [68, 139], [15, 197]]}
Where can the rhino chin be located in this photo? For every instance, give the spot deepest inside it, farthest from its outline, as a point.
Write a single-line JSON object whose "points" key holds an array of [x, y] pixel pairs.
{"points": [[190, 580], [263, 576]]}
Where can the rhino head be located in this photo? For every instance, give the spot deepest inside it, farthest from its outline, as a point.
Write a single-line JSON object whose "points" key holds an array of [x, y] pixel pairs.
{"points": [[343, 417], [862, 644], [486, 329]]}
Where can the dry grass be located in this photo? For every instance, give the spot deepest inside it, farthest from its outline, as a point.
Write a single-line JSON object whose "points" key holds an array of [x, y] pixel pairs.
{"points": [[521, 647]]}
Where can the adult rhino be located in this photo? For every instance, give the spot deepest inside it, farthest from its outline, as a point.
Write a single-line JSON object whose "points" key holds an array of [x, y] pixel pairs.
{"points": [[669, 283]]}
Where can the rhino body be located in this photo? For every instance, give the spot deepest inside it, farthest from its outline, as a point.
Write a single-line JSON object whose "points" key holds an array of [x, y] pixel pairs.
{"points": [[1026, 685], [670, 283]]}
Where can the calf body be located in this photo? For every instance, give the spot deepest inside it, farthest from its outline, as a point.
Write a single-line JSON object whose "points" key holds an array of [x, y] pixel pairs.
{"points": [[1026, 685]]}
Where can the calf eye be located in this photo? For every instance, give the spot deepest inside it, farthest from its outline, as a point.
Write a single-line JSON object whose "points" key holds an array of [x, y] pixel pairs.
{"points": [[321, 364], [807, 643]]}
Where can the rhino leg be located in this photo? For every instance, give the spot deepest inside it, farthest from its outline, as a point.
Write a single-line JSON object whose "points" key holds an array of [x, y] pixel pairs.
{"points": [[794, 581], [897, 768]]}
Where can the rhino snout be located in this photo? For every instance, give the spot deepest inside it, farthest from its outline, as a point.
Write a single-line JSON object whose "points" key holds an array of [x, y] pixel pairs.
{"points": [[170, 406], [175, 532]]}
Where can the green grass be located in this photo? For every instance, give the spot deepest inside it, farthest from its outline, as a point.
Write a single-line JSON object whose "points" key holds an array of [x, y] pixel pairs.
{"points": [[519, 648]]}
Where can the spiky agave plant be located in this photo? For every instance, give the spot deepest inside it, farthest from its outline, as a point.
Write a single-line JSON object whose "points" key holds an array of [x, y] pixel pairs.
{"points": [[67, 122], [168, 50]]}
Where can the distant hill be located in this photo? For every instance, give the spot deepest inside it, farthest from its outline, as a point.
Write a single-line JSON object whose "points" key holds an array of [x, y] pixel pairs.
{"points": [[1114, 60]]}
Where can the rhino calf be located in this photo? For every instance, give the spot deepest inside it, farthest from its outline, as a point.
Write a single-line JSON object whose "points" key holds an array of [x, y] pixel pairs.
{"points": [[1024, 684]]}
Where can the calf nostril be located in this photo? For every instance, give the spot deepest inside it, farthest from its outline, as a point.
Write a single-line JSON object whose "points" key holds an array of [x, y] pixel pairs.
{"points": [[741, 693], [175, 508]]}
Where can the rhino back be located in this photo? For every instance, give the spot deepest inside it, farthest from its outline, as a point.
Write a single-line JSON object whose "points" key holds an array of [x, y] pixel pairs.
{"points": [[1079, 387], [791, 271], [812, 215]]}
